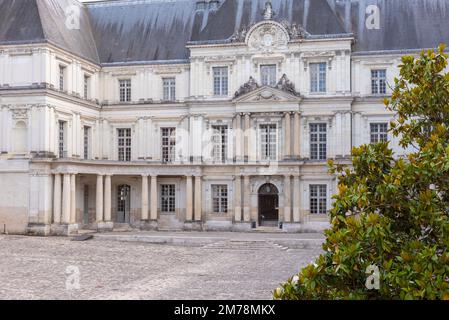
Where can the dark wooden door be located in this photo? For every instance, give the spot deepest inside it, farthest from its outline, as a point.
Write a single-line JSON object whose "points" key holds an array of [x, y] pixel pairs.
{"points": [[268, 208]]}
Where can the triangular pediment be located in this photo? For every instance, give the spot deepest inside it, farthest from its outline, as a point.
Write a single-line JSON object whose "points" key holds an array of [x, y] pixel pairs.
{"points": [[267, 94]]}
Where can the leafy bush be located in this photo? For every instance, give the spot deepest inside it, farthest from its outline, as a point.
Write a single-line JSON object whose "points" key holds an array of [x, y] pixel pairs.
{"points": [[392, 212]]}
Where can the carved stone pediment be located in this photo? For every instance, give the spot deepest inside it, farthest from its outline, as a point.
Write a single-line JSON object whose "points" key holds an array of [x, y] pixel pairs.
{"points": [[266, 93], [267, 37], [284, 85]]}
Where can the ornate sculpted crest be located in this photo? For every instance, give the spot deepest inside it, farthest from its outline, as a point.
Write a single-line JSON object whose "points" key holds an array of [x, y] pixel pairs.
{"points": [[268, 37]]}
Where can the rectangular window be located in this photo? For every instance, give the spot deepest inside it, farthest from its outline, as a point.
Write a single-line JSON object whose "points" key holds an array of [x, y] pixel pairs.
{"points": [[125, 90], [318, 77], [318, 141], [268, 75], [318, 199], [86, 87], [168, 198], [169, 85], [168, 144], [61, 139], [86, 143], [268, 138], [379, 132], [220, 143], [61, 78], [124, 144], [379, 81], [220, 81], [220, 198]]}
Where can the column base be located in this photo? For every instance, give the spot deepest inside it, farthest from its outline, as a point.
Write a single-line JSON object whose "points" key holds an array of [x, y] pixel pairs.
{"points": [[193, 226], [39, 230], [64, 229], [105, 226], [148, 225], [242, 227], [291, 227]]}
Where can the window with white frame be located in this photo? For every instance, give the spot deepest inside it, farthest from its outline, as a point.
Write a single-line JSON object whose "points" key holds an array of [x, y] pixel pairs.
{"points": [[318, 141], [62, 84], [168, 198], [318, 77], [62, 139], [379, 132], [268, 139], [86, 87], [220, 81], [169, 85], [268, 75], [168, 144], [318, 199], [379, 81], [124, 144], [125, 90], [220, 143], [86, 138], [220, 198]]}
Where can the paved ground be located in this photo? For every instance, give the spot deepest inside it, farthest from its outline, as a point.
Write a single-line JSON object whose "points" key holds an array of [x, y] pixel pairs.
{"points": [[217, 266]]}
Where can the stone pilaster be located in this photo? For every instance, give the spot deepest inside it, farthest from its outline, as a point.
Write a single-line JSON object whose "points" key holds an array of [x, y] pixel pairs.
{"points": [[57, 193]]}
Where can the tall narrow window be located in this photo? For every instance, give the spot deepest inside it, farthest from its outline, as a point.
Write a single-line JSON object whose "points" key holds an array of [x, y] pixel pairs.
{"points": [[318, 199], [220, 198], [124, 144], [268, 75], [169, 85], [61, 78], [61, 139], [168, 198], [318, 141], [268, 138], [125, 90], [379, 81], [220, 143], [86, 139], [86, 87], [379, 132], [221, 81], [168, 144], [318, 77]]}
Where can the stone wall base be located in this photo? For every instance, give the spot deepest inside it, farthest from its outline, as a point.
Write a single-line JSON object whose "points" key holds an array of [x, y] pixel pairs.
{"points": [[218, 226], [148, 225], [193, 226], [38, 230], [105, 226], [242, 227], [291, 227]]}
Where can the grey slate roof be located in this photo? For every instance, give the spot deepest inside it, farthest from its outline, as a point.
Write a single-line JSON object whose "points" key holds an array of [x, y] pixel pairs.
{"points": [[158, 30]]}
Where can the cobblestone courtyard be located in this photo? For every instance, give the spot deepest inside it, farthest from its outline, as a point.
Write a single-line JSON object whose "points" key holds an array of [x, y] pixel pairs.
{"points": [[233, 267]]}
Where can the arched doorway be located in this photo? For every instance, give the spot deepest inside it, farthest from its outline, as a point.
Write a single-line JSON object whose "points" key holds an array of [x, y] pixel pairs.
{"points": [[268, 205], [124, 204]]}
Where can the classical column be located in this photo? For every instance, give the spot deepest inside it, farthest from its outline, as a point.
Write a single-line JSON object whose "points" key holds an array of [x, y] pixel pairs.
{"points": [[297, 140], [66, 199], [72, 199], [99, 199], [287, 141], [198, 199], [247, 136], [107, 198], [296, 200], [57, 199], [287, 199], [154, 198], [238, 198], [189, 198], [238, 138], [247, 199], [144, 205]]}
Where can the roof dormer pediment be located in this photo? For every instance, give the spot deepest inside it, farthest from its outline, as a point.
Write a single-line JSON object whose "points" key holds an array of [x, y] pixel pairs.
{"points": [[265, 94]]}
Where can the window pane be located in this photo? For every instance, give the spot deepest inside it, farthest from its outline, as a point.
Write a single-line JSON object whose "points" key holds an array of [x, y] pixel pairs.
{"points": [[318, 73], [318, 199], [318, 141], [268, 75], [220, 81]]}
